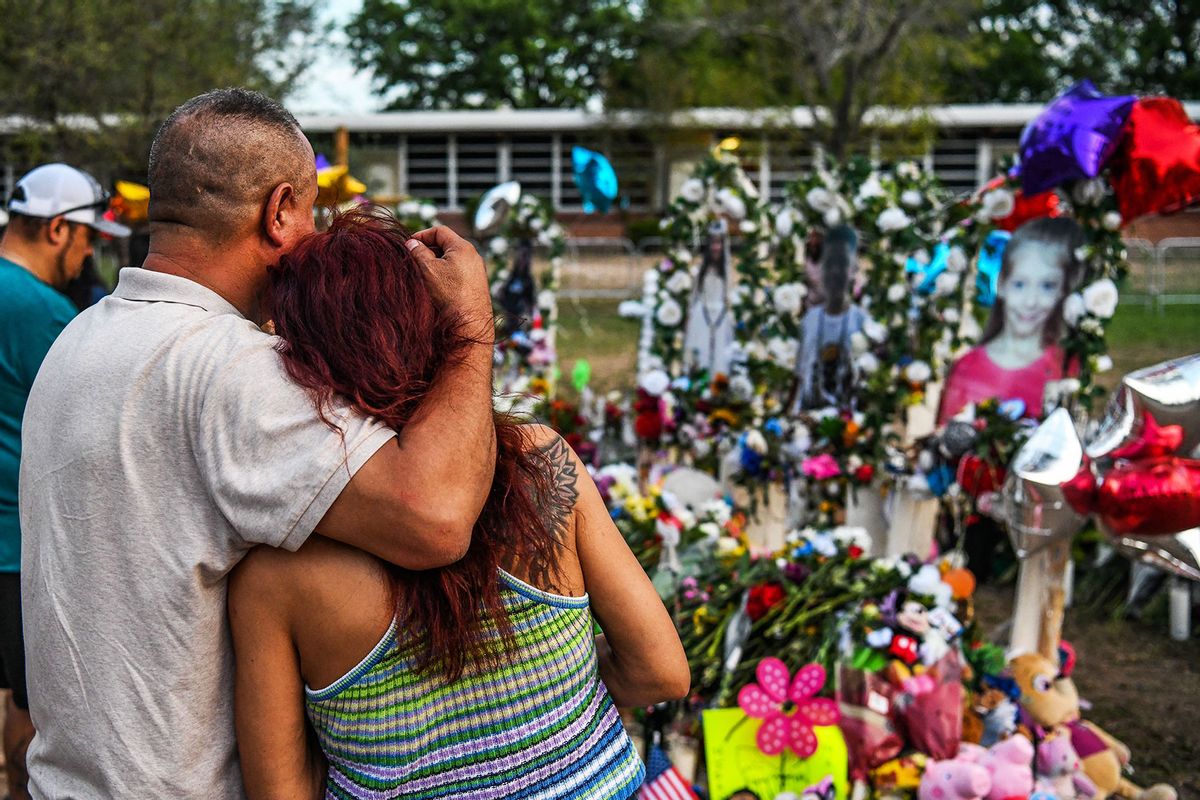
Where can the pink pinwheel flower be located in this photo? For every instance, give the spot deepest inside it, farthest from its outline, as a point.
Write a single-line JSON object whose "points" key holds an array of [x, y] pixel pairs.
{"points": [[787, 707], [820, 467]]}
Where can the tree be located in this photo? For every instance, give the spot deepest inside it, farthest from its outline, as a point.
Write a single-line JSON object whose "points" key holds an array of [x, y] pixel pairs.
{"points": [[432, 54], [92, 79], [839, 58], [1028, 50]]}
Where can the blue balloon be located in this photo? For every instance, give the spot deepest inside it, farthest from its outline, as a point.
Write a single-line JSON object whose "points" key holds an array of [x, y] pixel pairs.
{"points": [[596, 179], [929, 272], [987, 278], [939, 480], [1012, 409]]}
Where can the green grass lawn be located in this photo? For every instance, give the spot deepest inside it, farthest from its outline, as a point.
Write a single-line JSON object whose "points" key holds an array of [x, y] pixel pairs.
{"points": [[1138, 337]]}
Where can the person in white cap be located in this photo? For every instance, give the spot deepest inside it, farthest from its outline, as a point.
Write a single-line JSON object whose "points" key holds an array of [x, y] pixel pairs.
{"points": [[164, 438], [53, 216]]}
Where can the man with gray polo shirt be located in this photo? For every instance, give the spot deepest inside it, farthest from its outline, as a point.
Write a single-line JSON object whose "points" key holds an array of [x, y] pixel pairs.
{"points": [[163, 439]]}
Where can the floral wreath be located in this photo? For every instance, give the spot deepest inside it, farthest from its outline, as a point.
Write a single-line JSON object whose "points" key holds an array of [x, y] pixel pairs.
{"points": [[531, 358]]}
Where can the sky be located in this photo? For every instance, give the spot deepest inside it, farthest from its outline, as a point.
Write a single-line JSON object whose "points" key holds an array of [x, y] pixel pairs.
{"points": [[333, 85]]}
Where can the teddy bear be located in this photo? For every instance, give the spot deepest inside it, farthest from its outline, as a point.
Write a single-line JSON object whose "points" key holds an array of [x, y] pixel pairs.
{"points": [[1051, 703], [1060, 772]]}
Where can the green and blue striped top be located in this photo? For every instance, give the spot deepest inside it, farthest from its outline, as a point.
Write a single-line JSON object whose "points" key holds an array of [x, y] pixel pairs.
{"points": [[542, 725]]}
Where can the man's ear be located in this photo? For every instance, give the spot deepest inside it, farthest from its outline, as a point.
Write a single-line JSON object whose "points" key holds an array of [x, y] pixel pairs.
{"points": [[280, 205], [57, 231]]}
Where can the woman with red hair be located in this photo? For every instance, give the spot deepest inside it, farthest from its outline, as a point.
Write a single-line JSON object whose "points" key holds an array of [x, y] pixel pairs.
{"points": [[485, 679]]}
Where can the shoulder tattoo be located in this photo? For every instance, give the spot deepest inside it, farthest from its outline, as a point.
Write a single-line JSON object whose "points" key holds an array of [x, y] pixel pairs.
{"points": [[558, 507]]}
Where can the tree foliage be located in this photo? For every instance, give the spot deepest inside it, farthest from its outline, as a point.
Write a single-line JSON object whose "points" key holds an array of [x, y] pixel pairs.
{"points": [[1028, 50], [431, 54], [92, 79]]}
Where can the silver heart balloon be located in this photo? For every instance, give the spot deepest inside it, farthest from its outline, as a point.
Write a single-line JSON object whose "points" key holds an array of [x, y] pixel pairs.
{"points": [[1034, 502], [1169, 391], [1178, 554]]}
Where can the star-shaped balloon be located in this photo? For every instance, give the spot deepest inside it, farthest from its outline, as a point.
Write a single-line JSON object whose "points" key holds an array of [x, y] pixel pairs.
{"points": [[596, 179], [1072, 138], [1157, 169], [987, 276]]}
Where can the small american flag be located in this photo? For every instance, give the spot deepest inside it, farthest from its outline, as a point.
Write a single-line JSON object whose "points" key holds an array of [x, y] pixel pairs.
{"points": [[663, 781]]}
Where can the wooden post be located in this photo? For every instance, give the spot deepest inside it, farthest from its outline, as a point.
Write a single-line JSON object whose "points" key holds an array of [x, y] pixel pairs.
{"points": [[341, 146], [1041, 598]]}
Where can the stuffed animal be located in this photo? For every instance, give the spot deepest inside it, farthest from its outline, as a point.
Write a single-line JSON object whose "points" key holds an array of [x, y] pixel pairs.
{"points": [[1051, 702], [1009, 765], [1060, 772], [955, 779]]}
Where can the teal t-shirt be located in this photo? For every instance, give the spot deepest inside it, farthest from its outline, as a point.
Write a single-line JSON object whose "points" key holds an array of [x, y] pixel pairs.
{"points": [[32, 314]]}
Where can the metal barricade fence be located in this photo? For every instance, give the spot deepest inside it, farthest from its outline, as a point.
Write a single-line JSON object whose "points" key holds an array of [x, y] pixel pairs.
{"points": [[601, 267]]}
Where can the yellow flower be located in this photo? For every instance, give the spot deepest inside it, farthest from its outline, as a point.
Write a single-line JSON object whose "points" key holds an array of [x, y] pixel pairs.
{"points": [[539, 386], [700, 616], [723, 415]]}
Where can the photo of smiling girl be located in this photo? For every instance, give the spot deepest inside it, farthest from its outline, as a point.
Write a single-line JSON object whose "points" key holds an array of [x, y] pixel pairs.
{"points": [[1019, 352]]}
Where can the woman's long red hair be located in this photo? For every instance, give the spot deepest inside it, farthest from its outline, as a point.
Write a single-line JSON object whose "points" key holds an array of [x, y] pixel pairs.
{"points": [[358, 321]]}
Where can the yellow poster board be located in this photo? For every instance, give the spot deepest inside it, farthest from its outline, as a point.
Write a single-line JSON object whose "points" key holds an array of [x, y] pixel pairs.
{"points": [[734, 761]]}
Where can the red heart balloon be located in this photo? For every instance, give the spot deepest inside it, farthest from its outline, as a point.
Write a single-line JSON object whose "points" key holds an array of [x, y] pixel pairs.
{"points": [[1156, 169], [976, 476], [1154, 496]]}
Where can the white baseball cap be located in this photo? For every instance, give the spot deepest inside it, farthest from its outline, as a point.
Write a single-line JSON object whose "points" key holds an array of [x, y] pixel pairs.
{"points": [[53, 190]]}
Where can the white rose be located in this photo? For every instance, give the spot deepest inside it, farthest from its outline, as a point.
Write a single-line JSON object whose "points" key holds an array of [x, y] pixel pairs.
{"points": [[893, 219], [631, 309], [746, 226], [498, 246], [859, 343], [897, 292], [1092, 326], [911, 198], [547, 299], [757, 351], [1089, 192], [918, 372], [785, 223], [711, 530], [833, 217], [679, 282], [950, 315], [741, 388], [756, 441], [870, 189], [1103, 363], [669, 313], [867, 363], [1100, 298], [1073, 309], [731, 204], [1112, 220], [956, 260], [692, 190], [789, 297], [945, 283], [999, 203], [908, 169], [875, 330], [655, 382], [427, 212], [782, 351], [820, 200], [537, 224]]}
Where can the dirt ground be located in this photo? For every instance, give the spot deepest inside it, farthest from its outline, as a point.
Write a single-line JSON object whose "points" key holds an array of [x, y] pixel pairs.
{"points": [[1144, 688]]}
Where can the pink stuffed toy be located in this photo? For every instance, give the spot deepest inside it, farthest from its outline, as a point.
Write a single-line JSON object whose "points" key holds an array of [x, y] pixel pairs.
{"points": [[956, 779], [1009, 764], [1060, 771]]}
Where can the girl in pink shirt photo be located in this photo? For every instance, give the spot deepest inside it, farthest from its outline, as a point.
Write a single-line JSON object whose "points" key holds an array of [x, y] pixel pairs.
{"points": [[1019, 353]]}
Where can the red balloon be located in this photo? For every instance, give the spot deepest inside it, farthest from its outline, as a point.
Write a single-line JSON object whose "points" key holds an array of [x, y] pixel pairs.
{"points": [[1156, 169], [1027, 208], [976, 476], [1152, 496]]}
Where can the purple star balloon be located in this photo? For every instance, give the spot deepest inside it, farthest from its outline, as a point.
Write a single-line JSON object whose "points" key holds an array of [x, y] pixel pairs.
{"points": [[1072, 138]]}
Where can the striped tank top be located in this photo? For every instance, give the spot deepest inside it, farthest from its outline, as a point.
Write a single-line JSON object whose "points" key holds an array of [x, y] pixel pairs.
{"points": [[540, 726]]}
